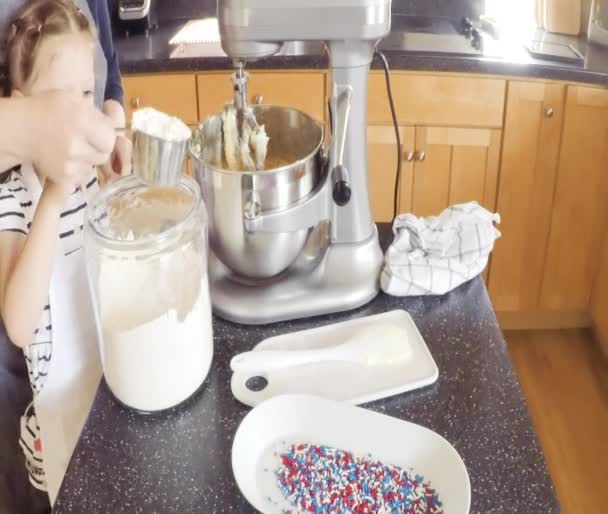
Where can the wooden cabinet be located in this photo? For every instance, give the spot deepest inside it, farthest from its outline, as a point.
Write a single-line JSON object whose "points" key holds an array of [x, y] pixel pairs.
{"points": [[525, 194], [301, 90], [192, 98], [437, 99], [382, 166], [450, 142], [440, 166], [580, 207], [172, 93], [454, 165]]}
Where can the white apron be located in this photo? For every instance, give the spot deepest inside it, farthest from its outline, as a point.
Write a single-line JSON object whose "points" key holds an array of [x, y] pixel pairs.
{"points": [[63, 404]]}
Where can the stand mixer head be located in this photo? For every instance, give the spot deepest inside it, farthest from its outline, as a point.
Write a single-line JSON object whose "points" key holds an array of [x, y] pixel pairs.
{"points": [[251, 29], [344, 273]]}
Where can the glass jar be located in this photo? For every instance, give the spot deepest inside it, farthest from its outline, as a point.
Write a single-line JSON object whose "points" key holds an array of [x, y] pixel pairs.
{"points": [[146, 251]]}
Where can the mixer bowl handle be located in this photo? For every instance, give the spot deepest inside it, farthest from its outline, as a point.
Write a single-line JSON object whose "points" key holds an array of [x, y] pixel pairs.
{"points": [[306, 213]]}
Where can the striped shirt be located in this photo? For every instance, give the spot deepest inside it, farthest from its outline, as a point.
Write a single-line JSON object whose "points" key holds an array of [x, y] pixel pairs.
{"points": [[17, 208]]}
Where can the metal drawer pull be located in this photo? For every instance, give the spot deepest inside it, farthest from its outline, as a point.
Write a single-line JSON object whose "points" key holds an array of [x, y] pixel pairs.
{"points": [[548, 112], [421, 155], [135, 102], [409, 156]]}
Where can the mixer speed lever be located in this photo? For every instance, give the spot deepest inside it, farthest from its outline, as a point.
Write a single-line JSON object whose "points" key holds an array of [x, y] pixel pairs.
{"points": [[341, 186], [341, 191]]}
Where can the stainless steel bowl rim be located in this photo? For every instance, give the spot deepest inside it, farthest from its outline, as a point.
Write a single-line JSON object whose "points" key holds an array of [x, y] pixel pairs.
{"points": [[215, 169]]}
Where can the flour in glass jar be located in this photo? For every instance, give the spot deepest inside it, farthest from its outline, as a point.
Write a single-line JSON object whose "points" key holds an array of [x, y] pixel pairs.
{"points": [[154, 312]]}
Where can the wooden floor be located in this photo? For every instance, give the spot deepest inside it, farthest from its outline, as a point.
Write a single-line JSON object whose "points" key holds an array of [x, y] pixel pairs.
{"points": [[565, 380]]}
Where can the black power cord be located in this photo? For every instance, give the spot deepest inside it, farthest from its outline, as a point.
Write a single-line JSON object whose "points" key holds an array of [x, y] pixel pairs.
{"points": [[387, 75]]}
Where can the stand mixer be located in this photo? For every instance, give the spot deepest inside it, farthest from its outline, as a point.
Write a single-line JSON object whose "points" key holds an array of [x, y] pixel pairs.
{"points": [[338, 265]]}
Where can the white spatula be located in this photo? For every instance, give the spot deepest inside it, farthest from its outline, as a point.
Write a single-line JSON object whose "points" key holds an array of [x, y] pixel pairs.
{"points": [[376, 344]]}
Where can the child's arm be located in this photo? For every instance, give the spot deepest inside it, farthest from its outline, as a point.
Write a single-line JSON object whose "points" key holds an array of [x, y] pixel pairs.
{"points": [[26, 264]]}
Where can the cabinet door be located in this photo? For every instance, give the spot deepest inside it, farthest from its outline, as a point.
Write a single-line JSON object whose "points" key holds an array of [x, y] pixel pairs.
{"points": [[454, 165], [301, 90], [580, 207], [525, 193], [172, 93], [382, 170]]}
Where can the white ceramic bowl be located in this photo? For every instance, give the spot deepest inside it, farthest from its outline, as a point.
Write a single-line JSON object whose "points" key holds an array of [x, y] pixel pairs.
{"points": [[284, 420]]}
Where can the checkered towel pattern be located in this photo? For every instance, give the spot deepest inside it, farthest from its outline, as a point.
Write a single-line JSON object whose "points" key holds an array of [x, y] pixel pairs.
{"points": [[431, 256]]}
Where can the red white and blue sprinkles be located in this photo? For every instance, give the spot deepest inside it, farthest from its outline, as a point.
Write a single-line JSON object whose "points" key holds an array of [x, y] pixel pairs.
{"points": [[326, 480]]}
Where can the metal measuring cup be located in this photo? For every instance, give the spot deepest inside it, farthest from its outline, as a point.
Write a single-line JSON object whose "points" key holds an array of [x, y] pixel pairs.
{"points": [[157, 160]]}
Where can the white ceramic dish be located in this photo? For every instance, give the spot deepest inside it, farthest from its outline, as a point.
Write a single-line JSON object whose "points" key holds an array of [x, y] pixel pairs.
{"points": [[343, 381], [277, 423]]}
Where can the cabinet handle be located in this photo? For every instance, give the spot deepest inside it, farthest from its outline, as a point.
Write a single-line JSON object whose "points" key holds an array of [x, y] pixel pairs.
{"points": [[135, 102], [421, 155], [548, 112], [258, 99], [409, 156]]}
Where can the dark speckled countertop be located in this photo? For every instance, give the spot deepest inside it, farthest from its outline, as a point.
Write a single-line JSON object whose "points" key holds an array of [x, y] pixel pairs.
{"points": [[180, 462], [403, 48]]}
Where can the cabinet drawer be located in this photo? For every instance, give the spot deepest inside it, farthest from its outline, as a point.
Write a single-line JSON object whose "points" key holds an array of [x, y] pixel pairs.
{"points": [[300, 90], [437, 100], [173, 94]]}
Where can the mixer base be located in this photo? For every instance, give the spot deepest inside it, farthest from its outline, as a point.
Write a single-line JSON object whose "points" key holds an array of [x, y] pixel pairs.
{"points": [[346, 277]]}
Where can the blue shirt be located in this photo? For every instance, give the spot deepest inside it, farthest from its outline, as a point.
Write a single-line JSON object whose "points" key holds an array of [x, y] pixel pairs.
{"points": [[101, 16]]}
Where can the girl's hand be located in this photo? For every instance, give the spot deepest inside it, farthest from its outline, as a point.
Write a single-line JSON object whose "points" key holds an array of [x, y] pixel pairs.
{"points": [[119, 164]]}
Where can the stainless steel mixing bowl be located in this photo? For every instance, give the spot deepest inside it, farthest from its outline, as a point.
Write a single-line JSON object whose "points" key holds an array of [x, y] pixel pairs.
{"points": [[295, 138]]}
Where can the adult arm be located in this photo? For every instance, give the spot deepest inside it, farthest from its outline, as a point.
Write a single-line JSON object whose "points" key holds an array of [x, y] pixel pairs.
{"points": [[101, 14], [120, 160], [58, 132]]}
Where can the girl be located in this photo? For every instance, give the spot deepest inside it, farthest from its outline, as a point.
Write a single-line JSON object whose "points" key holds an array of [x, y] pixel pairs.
{"points": [[44, 299]]}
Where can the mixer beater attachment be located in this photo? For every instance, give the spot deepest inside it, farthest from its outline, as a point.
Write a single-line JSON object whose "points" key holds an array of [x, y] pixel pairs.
{"points": [[245, 142]]}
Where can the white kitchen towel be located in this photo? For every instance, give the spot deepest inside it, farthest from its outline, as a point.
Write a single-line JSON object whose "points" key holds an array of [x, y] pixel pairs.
{"points": [[431, 256]]}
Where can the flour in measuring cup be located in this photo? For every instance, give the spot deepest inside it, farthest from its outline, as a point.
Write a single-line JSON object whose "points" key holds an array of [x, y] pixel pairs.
{"points": [[158, 124], [155, 318]]}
